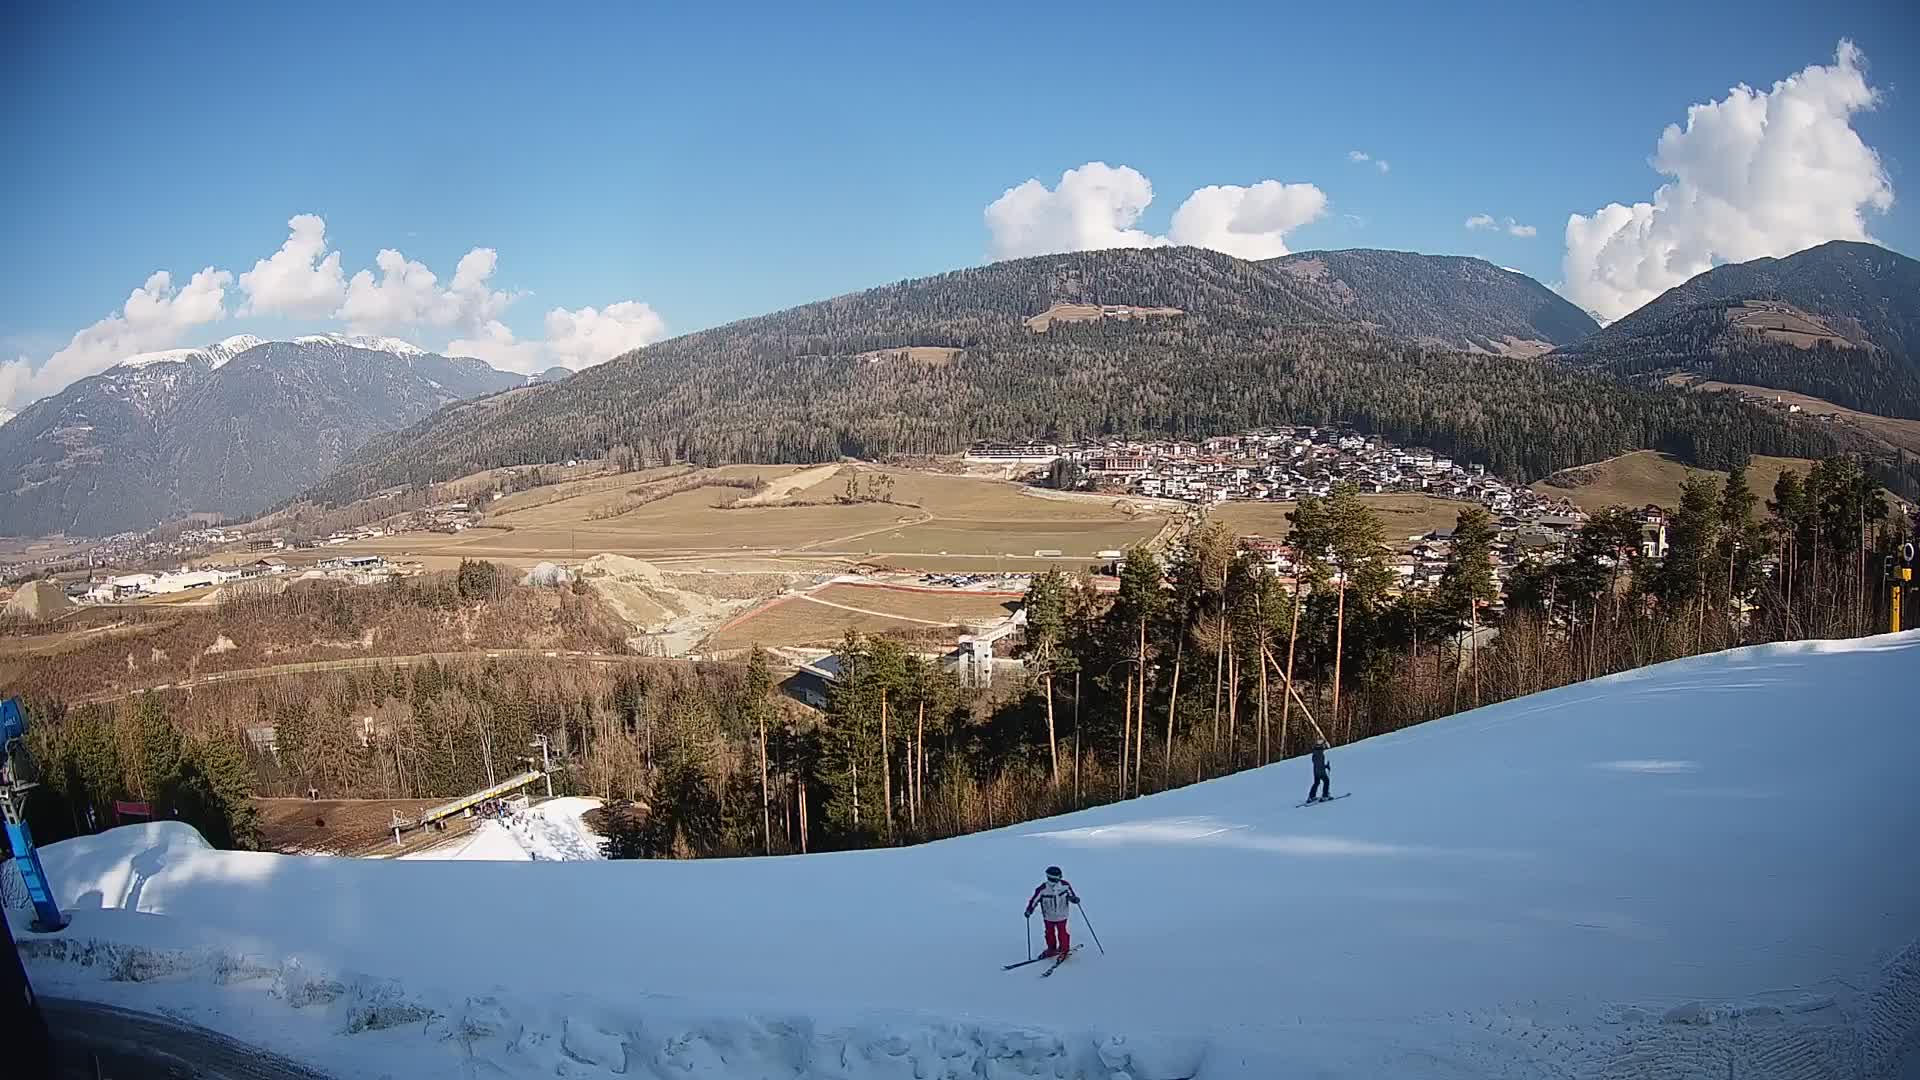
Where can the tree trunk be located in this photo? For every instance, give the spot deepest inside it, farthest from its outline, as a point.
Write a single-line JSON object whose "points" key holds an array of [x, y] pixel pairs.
{"points": [[1293, 635], [1220, 657], [1126, 734], [1339, 645], [1053, 744], [1263, 704], [919, 761], [766, 800], [1140, 713], [1173, 704], [1076, 738], [803, 815], [1219, 673], [886, 768], [1139, 736], [1233, 706], [1473, 645]]}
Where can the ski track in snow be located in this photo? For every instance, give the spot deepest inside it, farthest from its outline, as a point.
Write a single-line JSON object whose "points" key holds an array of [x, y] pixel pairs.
{"points": [[1621, 879]]}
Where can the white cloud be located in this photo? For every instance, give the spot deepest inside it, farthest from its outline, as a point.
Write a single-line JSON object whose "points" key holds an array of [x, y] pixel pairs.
{"points": [[1247, 222], [1097, 206], [155, 316], [574, 339], [303, 278], [1508, 225], [1361, 157], [1093, 207], [407, 295], [1751, 175]]}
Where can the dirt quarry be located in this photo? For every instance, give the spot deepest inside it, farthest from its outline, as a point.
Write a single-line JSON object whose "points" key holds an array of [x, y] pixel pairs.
{"points": [[673, 606], [38, 600]]}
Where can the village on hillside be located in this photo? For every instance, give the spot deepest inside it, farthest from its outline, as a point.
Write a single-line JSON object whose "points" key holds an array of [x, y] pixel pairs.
{"points": [[1286, 464]]}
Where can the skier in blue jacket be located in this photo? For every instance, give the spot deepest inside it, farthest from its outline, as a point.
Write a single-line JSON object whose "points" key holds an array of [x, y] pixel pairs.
{"points": [[1322, 780]]}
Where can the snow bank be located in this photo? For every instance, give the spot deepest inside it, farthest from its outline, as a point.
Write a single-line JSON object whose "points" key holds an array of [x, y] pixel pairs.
{"points": [[1698, 869], [547, 573]]}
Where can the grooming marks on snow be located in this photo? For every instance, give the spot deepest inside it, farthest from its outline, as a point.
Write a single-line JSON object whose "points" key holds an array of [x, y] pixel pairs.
{"points": [[1651, 766], [1211, 832]]}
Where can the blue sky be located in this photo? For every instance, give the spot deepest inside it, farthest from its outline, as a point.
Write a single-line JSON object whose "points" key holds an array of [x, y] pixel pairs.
{"points": [[718, 164]]}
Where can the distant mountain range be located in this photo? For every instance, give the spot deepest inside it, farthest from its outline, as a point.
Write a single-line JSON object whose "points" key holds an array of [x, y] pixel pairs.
{"points": [[1840, 321], [1187, 341], [230, 429]]}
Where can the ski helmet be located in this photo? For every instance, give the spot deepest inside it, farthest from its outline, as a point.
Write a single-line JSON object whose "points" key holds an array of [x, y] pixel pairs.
{"points": [[1053, 873]]}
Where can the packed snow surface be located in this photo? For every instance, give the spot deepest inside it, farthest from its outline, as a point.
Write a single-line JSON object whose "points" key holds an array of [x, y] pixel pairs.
{"points": [[552, 831], [1701, 869]]}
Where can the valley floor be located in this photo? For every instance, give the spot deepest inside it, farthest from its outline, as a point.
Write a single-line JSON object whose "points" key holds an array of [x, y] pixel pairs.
{"points": [[1699, 869]]}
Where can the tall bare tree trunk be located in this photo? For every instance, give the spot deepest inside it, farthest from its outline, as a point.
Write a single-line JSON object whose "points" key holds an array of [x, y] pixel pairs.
{"points": [[1473, 644], [766, 800], [886, 767], [919, 760], [1233, 706], [1076, 738], [1293, 635], [1219, 660], [1126, 734], [1053, 743], [1173, 705], [1339, 646], [803, 816], [1140, 713], [1263, 704]]}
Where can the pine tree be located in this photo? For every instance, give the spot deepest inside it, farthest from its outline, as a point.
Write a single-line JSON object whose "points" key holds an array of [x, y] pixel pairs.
{"points": [[759, 709], [1046, 608]]}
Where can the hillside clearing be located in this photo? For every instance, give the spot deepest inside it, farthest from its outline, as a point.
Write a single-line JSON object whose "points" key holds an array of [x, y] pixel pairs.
{"points": [[1650, 478]]}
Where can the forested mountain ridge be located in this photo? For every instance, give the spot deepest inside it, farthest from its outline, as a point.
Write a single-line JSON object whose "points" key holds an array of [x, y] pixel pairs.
{"points": [[1840, 321], [229, 430], [1255, 344], [1448, 301]]}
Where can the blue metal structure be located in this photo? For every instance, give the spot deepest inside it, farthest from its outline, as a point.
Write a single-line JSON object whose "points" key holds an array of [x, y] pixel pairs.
{"points": [[17, 777]]}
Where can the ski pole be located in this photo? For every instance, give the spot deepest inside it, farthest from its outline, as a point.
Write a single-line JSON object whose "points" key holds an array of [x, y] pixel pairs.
{"points": [[1090, 929], [1029, 935]]}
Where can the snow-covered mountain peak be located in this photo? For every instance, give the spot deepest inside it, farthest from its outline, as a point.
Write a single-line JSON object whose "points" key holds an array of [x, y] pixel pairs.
{"points": [[392, 345], [214, 355]]}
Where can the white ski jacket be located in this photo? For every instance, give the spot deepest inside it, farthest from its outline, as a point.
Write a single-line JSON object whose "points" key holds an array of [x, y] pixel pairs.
{"points": [[1053, 898]]}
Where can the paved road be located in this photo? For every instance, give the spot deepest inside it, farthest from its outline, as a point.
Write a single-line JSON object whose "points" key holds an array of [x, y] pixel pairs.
{"points": [[101, 1042]]}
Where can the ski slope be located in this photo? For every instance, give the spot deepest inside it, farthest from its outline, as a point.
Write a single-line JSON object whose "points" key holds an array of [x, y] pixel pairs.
{"points": [[551, 831], [1701, 869]]}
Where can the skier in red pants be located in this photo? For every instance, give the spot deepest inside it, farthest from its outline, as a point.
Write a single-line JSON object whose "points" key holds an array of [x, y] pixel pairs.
{"points": [[1052, 898]]}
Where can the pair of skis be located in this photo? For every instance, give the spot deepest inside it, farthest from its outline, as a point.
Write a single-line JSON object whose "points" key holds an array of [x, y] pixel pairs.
{"points": [[1057, 961], [1329, 798]]}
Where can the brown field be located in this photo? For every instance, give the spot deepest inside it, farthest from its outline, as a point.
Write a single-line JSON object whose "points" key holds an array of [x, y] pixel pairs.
{"points": [[797, 622], [835, 609], [930, 514], [1646, 477], [351, 826], [1404, 515], [1090, 312], [1895, 432], [947, 606]]}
